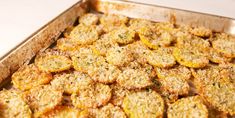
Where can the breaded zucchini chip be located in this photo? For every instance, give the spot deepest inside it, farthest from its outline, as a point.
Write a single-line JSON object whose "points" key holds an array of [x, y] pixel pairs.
{"points": [[42, 99], [84, 35], [119, 56], [89, 19], [162, 57], [144, 104], [52, 61], [190, 57], [92, 97], [30, 76], [72, 81], [108, 111], [134, 79], [123, 35], [190, 107], [12, 105], [66, 112]]}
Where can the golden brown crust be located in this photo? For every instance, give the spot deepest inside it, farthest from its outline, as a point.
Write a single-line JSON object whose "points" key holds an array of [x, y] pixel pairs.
{"points": [[134, 79], [12, 105], [108, 111], [52, 61], [144, 104], [92, 97], [30, 76], [119, 56], [66, 112], [42, 99], [187, 107], [71, 82]]}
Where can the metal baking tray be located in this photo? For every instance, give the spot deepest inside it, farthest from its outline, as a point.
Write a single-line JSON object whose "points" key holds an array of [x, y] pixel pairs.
{"points": [[43, 38]]}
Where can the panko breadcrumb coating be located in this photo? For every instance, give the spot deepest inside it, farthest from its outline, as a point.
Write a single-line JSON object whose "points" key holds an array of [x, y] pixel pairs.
{"points": [[201, 32], [118, 94], [30, 76], [148, 104], [215, 86], [12, 105], [108, 111], [92, 97], [105, 42], [84, 35], [89, 19], [123, 35], [113, 20], [52, 63], [42, 99], [190, 107], [66, 44], [134, 79], [162, 57], [72, 81], [140, 51], [119, 56], [153, 40], [225, 45], [105, 73], [66, 112], [190, 57]]}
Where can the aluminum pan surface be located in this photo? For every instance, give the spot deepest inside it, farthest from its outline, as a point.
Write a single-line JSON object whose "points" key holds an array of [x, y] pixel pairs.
{"points": [[163, 14]]}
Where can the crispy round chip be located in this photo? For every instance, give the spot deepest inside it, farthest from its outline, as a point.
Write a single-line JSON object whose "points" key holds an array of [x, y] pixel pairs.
{"points": [[86, 63], [187, 41], [113, 19], [123, 35], [66, 112], [217, 57], [215, 86], [105, 42], [82, 51], [137, 24], [118, 94], [190, 57], [225, 45], [139, 51], [30, 76], [134, 79], [201, 32], [12, 105], [84, 35], [42, 99], [190, 107], [71, 82], [119, 56], [92, 97], [178, 70], [144, 104], [153, 40], [175, 85], [149, 69], [52, 63], [89, 19], [108, 111], [162, 57], [105, 73], [66, 44]]}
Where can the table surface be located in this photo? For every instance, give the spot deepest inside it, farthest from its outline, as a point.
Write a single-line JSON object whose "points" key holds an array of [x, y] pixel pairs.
{"points": [[21, 18]]}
